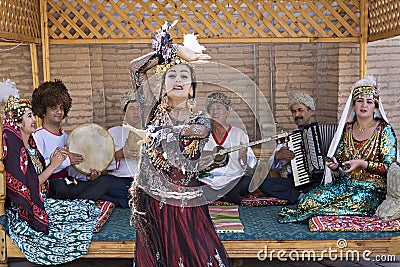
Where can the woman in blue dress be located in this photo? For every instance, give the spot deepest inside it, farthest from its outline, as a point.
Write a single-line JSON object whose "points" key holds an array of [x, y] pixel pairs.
{"points": [[362, 151], [47, 231]]}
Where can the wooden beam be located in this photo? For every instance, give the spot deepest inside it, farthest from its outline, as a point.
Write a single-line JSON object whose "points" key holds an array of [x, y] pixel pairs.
{"points": [[45, 40], [363, 38], [35, 74], [19, 37], [212, 40], [384, 35], [35, 65], [251, 248]]}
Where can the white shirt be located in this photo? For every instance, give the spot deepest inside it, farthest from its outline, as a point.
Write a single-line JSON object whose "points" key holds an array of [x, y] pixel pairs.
{"points": [[47, 142], [280, 163], [222, 176], [125, 167]]}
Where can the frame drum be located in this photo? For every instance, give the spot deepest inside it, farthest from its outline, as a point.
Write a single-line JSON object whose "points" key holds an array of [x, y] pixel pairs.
{"points": [[95, 144]]}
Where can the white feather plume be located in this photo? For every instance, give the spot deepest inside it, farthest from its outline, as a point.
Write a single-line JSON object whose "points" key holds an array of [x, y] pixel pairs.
{"points": [[190, 40], [8, 88], [370, 79]]}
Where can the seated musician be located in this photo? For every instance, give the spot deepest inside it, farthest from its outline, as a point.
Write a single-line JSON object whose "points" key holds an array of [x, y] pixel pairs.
{"points": [[124, 166], [362, 151], [229, 181], [47, 231], [302, 107], [51, 102]]}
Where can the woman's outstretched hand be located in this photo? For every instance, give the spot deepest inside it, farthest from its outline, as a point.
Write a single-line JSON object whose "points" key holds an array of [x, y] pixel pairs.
{"points": [[141, 133], [191, 56]]}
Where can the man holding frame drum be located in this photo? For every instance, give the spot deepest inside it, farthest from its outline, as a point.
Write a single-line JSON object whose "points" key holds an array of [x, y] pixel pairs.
{"points": [[51, 102], [125, 163]]}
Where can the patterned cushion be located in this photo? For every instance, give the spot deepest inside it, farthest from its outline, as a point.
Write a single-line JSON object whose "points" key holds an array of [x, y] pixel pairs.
{"points": [[255, 199], [351, 224], [390, 207], [226, 219], [106, 208]]}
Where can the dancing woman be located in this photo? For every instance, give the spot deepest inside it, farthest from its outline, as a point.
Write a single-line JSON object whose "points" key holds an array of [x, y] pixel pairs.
{"points": [[173, 225]]}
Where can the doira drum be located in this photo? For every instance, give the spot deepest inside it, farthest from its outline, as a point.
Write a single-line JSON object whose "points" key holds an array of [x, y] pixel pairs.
{"points": [[95, 144]]}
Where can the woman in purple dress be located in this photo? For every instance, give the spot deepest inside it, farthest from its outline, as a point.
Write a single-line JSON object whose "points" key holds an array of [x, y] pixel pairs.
{"points": [[169, 209]]}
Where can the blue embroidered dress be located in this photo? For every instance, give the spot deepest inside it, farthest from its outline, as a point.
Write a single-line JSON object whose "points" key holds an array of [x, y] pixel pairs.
{"points": [[47, 231], [359, 192]]}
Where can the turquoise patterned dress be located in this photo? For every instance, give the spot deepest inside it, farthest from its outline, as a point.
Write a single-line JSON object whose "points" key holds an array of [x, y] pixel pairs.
{"points": [[71, 225], [358, 193]]}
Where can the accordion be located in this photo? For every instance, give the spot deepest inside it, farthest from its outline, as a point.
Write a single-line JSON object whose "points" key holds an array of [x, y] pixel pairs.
{"points": [[310, 145]]}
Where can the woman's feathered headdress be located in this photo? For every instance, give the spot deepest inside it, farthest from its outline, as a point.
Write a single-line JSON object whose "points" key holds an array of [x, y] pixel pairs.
{"points": [[167, 51], [8, 88]]}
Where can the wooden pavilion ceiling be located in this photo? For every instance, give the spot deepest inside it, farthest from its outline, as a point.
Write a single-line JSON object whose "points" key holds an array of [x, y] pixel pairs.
{"points": [[119, 21], [20, 20], [384, 19], [241, 20]]}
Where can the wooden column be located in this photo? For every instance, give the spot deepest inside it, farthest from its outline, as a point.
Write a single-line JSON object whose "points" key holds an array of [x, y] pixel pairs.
{"points": [[45, 40], [35, 73], [363, 38], [35, 65]]}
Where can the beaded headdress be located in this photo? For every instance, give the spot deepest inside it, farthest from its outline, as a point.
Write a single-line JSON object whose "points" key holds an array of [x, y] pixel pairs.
{"points": [[15, 107], [218, 97], [127, 97], [162, 44], [366, 86], [302, 98]]}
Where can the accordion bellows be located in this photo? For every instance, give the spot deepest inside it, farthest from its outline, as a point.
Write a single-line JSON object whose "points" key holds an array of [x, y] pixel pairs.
{"points": [[389, 209]]}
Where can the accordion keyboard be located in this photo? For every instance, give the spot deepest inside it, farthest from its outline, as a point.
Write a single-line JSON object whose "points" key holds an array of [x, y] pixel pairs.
{"points": [[299, 168], [310, 146]]}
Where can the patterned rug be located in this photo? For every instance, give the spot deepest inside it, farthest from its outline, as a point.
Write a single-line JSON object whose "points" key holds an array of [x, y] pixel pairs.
{"points": [[226, 219], [350, 223]]}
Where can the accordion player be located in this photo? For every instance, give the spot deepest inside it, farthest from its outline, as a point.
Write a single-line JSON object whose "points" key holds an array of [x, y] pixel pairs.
{"points": [[310, 145]]}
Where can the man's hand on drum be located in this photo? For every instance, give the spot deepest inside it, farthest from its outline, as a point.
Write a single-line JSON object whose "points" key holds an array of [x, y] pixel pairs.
{"points": [[74, 158], [94, 174], [57, 157]]}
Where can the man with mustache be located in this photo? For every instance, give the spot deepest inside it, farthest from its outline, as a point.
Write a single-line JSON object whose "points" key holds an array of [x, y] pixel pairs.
{"points": [[302, 107]]}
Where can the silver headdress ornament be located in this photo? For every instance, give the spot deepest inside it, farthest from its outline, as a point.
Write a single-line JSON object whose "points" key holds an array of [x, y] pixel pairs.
{"points": [[162, 44], [301, 98], [367, 86]]}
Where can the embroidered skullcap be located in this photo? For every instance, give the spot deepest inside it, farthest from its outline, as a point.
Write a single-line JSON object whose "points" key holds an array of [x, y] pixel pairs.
{"points": [[15, 107], [218, 97], [301, 98], [127, 97], [366, 86]]}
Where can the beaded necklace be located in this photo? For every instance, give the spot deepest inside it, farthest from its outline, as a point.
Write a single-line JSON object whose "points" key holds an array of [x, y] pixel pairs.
{"points": [[163, 118], [360, 149]]}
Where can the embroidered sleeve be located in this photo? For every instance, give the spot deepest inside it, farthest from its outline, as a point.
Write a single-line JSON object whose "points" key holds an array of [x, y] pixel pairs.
{"points": [[199, 127], [388, 152]]}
